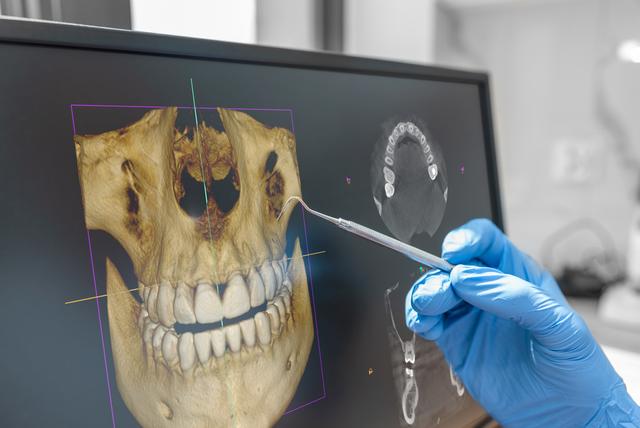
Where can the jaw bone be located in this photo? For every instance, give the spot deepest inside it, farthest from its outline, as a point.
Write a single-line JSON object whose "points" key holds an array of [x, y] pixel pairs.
{"points": [[251, 386], [260, 330]]}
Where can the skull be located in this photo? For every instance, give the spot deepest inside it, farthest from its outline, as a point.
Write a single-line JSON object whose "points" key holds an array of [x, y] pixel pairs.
{"points": [[223, 331]]}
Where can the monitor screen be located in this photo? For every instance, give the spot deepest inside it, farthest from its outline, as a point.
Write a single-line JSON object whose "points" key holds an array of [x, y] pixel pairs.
{"points": [[152, 273]]}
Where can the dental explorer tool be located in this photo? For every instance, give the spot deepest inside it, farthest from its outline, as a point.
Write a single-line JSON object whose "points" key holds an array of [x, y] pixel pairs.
{"points": [[410, 251]]}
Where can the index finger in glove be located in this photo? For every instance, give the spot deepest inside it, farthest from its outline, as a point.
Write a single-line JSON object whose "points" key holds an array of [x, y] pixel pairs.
{"points": [[477, 239], [551, 321], [480, 239], [433, 294]]}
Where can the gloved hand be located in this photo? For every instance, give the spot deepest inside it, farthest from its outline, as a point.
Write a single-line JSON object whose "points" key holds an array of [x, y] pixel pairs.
{"points": [[508, 332]]}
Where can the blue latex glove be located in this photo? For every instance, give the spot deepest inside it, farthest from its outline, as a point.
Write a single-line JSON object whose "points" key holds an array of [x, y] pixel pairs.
{"points": [[508, 332]]}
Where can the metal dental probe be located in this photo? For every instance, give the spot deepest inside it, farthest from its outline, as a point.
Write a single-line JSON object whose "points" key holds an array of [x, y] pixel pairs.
{"points": [[412, 252]]}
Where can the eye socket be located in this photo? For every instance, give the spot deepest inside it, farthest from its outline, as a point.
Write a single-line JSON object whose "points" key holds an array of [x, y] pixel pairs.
{"points": [[271, 162]]}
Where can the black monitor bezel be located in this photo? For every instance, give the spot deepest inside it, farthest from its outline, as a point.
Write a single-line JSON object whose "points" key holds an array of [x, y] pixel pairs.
{"points": [[28, 32]]}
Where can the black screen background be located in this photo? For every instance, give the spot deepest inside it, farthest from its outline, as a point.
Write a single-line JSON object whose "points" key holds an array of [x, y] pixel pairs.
{"points": [[51, 365]]}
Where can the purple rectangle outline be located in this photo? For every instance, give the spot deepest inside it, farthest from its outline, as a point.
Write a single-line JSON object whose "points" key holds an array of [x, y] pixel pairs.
{"points": [[95, 288], [304, 223], [185, 108]]}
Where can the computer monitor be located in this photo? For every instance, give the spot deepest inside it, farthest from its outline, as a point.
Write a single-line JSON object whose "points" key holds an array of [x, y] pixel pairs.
{"points": [[146, 277]]}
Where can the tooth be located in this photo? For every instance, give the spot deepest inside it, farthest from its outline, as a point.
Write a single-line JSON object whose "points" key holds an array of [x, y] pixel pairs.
{"points": [[166, 295], [256, 288], [278, 271], [142, 317], [218, 342], [186, 351], [283, 266], [183, 305], [170, 347], [286, 299], [389, 176], [274, 317], [248, 328], [433, 171], [281, 309], [202, 342], [389, 190], [235, 301], [269, 280], [287, 283], [157, 353], [151, 303], [149, 327], [158, 334], [207, 304], [234, 337], [156, 341], [263, 329]]}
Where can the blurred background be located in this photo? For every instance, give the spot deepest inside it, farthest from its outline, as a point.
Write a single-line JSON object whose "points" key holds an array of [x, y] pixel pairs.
{"points": [[565, 77]]}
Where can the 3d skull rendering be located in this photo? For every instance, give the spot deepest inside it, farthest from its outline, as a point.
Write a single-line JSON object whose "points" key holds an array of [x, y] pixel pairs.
{"points": [[224, 330]]}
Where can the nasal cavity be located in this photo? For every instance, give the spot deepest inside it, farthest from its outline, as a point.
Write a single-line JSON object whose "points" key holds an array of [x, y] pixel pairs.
{"points": [[225, 192], [193, 201]]}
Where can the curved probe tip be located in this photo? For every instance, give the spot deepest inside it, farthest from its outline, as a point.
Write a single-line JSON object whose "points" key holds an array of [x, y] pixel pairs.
{"points": [[286, 203]]}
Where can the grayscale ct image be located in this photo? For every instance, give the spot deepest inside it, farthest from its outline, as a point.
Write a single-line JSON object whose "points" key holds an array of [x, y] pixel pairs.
{"points": [[428, 392], [409, 179]]}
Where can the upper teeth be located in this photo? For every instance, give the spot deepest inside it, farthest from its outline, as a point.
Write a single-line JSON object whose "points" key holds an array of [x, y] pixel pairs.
{"points": [[236, 298], [164, 305], [208, 307], [400, 130], [183, 304], [256, 288], [166, 297]]}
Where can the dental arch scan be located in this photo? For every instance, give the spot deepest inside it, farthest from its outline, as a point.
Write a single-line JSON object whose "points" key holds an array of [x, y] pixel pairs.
{"points": [[409, 179]]}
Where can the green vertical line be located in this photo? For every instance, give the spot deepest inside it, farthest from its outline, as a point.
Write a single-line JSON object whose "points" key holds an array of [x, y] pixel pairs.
{"points": [[206, 199], [204, 184]]}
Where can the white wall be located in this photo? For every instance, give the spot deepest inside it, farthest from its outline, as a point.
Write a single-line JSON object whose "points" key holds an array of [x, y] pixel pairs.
{"points": [[543, 59], [289, 23], [390, 29], [208, 19]]}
